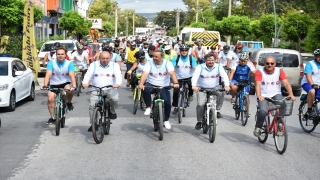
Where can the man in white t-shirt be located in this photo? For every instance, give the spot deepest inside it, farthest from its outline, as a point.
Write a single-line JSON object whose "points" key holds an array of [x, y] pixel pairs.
{"points": [[103, 73], [81, 58], [225, 56], [156, 73], [207, 75]]}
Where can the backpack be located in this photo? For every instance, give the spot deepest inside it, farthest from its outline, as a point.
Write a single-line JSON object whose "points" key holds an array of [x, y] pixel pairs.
{"points": [[190, 60]]}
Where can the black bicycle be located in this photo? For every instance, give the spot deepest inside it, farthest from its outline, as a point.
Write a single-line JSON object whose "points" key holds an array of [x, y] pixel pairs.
{"points": [[100, 121], [158, 109], [183, 101]]}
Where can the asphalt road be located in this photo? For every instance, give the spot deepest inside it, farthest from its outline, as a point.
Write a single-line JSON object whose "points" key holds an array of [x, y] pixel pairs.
{"points": [[29, 148]]}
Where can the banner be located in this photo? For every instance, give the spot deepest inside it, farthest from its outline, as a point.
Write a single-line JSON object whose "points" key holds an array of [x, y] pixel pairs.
{"points": [[29, 47]]}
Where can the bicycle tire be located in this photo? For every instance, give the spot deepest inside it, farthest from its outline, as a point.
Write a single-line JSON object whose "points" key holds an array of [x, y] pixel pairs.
{"points": [[63, 119], [281, 133], [135, 101], [97, 130], [186, 102], [236, 108], [161, 118], [106, 126], [57, 109], [155, 119], [212, 125], [264, 130], [141, 99], [245, 111], [305, 124], [180, 110], [78, 85], [204, 122]]}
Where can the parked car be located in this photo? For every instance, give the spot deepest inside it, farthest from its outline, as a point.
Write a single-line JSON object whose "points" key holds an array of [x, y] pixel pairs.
{"points": [[16, 82], [288, 60], [45, 48], [306, 57]]}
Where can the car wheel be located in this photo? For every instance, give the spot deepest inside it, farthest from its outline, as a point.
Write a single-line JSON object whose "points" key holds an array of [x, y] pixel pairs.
{"points": [[297, 92], [12, 103], [32, 95]]}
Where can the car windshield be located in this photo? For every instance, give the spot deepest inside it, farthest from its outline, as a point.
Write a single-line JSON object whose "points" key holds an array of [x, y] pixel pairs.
{"points": [[306, 59], [3, 68], [282, 59], [47, 46], [104, 40]]}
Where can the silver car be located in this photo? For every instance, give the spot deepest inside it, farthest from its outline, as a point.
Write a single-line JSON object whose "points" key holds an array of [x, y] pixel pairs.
{"points": [[288, 60]]}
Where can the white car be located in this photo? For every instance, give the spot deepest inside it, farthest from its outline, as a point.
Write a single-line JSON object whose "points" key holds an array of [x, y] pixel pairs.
{"points": [[306, 57], [16, 82]]}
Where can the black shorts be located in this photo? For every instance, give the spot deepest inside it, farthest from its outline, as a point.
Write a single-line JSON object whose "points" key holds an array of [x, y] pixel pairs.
{"points": [[59, 86]]}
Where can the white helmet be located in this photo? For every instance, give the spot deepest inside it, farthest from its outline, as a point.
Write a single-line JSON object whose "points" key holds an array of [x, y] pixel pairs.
{"points": [[244, 56]]}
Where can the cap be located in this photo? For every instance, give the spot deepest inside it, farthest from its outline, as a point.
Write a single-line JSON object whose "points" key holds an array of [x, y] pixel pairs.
{"points": [[166, 43], [161, 41], [167, 48]]}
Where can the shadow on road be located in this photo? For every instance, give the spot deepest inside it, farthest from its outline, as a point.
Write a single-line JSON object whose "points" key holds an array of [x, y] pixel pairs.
{"points": [[145, 129]]}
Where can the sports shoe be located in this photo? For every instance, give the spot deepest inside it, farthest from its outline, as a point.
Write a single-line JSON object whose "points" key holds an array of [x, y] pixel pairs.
{"points": [[190, 98], [233, 100], [70, 106], [51, 121], [167, 125], [198, 126], [311, 113], [256, 132], [175, 111], [147, 112], [112, 116], [219, 115]]}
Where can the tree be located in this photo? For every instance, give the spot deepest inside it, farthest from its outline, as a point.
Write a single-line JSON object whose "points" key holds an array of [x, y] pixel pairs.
{"points": [[267, 26], [74, 23], [11, 14], [107, 26], [197, 25], [255, 28], [313, 38], [166, 18], [203, 4], [236, 26], [102, 9]]}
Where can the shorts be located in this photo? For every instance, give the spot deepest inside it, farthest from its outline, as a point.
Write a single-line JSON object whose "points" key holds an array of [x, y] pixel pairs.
{"points": [[307, 87], [58, 86], [235, 83]]}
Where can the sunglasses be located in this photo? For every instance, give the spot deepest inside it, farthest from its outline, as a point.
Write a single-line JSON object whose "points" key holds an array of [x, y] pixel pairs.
{"points": [[183, 50], [238, 48], [267, 63]]}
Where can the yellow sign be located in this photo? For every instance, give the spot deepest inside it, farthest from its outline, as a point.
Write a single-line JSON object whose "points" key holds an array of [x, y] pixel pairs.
{"points": [[206, 38], [29, 48]]}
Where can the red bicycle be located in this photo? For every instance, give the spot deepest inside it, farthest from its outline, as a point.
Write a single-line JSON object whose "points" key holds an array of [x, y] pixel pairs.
{"points": [[278, 109]]}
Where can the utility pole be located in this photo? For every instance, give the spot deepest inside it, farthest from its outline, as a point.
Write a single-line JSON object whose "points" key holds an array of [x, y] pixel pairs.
{"points": [[116, 21], [178, 21], [197, 9], [229, 14], [127, 22], [275, 44], [133, 24]]}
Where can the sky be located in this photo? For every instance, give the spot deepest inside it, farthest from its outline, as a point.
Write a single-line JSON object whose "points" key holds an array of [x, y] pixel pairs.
{"points": [[151, 6]]}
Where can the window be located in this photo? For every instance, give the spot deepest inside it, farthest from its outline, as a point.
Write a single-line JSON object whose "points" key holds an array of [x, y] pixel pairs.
{"points": [[47, 47], [3, 68], [282, 60], [21, 66]]}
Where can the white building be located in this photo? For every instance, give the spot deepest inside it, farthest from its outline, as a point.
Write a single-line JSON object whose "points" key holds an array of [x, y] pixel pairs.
{"points": [[83, 7]]}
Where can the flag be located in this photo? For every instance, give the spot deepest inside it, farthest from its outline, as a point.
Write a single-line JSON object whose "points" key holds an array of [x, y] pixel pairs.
{"points": [[29, 47]]}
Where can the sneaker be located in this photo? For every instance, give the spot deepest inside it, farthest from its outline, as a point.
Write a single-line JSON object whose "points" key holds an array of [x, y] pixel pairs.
{"points": [[190, 98], [256, 132], [128, 85], [112, 116], [233, 100], [51, 121], [219, 115], [198, 126], [175, 111], [147, 112], [70, 106], [167, 125], [311, 113]]}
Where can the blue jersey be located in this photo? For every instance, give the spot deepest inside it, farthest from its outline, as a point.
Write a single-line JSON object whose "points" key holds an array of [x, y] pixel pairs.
{"points": [[241, 73]]}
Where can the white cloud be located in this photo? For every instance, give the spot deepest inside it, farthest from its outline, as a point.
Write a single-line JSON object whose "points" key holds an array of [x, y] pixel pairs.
{"points": [[152, 6]]}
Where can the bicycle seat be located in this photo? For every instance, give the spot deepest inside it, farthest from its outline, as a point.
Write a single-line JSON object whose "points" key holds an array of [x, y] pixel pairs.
{"points": [[243, 82]]}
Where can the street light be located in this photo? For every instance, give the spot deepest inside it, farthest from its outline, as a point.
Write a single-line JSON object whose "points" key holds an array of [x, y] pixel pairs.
{"points": [[116, 16]]}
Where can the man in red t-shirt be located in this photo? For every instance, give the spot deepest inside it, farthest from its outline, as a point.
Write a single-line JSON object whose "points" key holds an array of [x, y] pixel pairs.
{"points": [[268, 85]]}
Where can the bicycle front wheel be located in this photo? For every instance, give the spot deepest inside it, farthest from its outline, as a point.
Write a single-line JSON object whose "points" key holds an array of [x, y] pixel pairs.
{"points": [[106, 126], [97, 129], [204, 121], [58, 118], [236, 108], [245, 112], [180, 107], [160, 120], [212, 125], [280, 136], [264, 130], [306, 123], [78, 84], [135, 100]]}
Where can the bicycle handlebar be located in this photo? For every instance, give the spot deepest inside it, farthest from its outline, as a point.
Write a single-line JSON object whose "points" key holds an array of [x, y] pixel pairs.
{"points": [[158, 87], [54, 89], [210, 89], [277, 100], [107, 86]]}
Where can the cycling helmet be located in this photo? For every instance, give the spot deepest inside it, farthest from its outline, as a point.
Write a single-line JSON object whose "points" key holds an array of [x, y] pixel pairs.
{"points": [[133, 43], [85, 43], [316, 52], [226, 48], [107, 48], [80, 47], [213, 48], [139, 54], [53, 48], [244, 56], [184, 46], [239, 46], [152, 48]]}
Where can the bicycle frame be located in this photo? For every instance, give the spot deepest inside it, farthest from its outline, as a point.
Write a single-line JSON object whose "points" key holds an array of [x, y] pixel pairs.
{"points": [[210, 104], [59, 99], [241, 93], [183, 90]]}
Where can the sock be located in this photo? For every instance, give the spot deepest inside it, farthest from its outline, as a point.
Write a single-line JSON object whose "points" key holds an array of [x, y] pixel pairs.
{"points": [[309, 109]]}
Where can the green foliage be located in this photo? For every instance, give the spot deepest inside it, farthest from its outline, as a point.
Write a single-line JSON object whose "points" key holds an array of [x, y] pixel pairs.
{"points": [[167, 18], [313, 38], [267, 26], [172, 32], [107, 26], [74, 23], [236, 26], [15, 46], [297, 25], [255, 28], [101, 9], [197, 25], [266, 41]]}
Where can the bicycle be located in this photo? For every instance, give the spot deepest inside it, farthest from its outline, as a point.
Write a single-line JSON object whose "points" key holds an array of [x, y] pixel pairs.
{"points": [[158, 110], [183, 101], [79, 79], [278, 125], [308, 123], [241, 105], [137, 94], [209, 121]]}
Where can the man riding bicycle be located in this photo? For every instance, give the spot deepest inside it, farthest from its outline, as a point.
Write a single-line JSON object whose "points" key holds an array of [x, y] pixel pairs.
{"points": [[268, 85], [156, 73], [207, 75], [60, 73], [312, 76], [81, 59], [130, 59], [138, 66], [225, 56], [149, 55], [184, 67], [103, 73]]}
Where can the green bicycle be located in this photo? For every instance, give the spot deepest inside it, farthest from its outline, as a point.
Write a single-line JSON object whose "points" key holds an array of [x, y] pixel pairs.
{"points": [[137, 94]]}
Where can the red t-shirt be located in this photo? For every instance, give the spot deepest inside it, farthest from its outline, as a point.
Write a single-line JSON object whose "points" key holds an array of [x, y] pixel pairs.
{"points": [[258, 75]]}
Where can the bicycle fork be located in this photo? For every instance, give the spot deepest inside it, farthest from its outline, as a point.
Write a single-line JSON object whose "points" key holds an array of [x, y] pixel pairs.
{"points": [[210, 105]]}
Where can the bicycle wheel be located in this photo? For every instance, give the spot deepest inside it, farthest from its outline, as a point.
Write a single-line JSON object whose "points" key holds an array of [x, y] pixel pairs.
{"points": [[63, 119], [106, 126], [245, 112], [155, 118], [58, 118], [264, 130], [180, 107], [204, 122], [212, 125], [236, 107], [306, 123], [142, 105], [97, 129], [160, 120], [78, 84], [280, 136], [135, 100]]}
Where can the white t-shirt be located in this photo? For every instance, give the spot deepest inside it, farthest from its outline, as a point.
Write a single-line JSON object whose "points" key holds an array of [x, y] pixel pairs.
{"points": [[115, 57], [79, 60], [224, 57], [159, 74], [209, 78]]}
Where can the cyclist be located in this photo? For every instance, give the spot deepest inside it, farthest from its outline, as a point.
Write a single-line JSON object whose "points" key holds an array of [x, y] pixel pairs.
{"points": [[103, 73], [156, 73], [207, 75], [130, 59], [268, 85], [114, 56], [138, 66], [184, 67], [225, 56], [60, 73], [213, 51], [177, 47], [145, 46], [50, 55], [88, 50], [168, 53], [116, 45], [312, 76], [240, 72], [200, 52], [80, 59], [149, 55]]}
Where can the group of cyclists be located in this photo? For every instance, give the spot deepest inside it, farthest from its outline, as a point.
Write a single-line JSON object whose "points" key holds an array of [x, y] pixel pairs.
{"points": [[156, 64]]}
